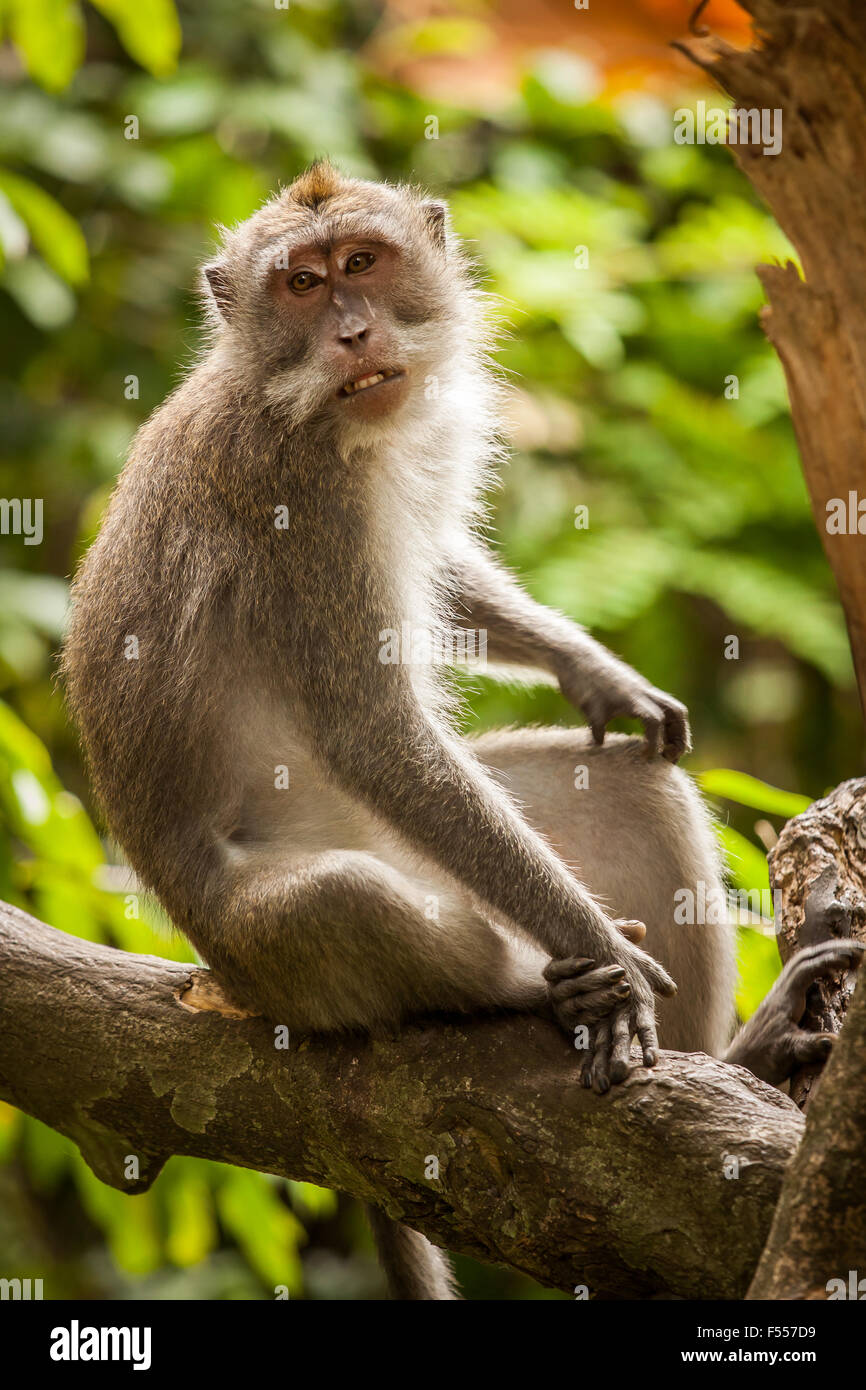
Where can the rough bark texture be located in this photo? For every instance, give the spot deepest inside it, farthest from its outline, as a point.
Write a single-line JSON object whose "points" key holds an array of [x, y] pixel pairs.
{"points": [[627, 1194], [809, 64], [819, 1230], [818, 866]]}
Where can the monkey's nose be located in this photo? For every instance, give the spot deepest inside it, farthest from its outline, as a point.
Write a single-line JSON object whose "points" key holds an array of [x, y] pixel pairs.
{"points": [[354, 336]]}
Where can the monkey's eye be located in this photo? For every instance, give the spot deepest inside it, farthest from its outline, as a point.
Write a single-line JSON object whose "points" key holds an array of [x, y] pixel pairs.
{"points": [[359, 261], [304, 280]]}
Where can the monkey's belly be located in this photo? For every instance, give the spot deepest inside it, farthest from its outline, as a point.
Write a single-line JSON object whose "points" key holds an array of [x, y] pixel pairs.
{"points": [[287, 805]]}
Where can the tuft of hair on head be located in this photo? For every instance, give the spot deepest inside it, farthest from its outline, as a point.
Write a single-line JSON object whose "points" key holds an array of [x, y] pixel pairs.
{"points": [[318, 183]]}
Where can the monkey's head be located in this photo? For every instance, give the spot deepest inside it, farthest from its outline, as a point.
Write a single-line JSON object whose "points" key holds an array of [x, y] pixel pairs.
{"points": [[343, 300]]}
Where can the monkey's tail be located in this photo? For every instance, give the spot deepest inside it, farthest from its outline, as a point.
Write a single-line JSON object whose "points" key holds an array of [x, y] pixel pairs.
{"points": [[415, 1269]]}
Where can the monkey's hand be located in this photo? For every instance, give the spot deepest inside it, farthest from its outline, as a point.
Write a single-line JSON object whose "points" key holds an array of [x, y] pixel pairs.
{"points": [[604, 688], [771, 1044], [612, 1002]]}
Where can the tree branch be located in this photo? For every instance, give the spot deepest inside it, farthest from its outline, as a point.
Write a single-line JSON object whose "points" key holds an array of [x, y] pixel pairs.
{"points": [[625, 1193]]}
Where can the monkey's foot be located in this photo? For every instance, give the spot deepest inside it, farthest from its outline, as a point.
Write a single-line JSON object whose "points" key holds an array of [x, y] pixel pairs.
{"points": [[771, 1044], [583, 993], [587, 999]]}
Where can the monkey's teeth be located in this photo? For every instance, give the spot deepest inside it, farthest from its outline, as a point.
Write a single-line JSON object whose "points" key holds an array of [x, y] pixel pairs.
{"points": [[363, 382]]}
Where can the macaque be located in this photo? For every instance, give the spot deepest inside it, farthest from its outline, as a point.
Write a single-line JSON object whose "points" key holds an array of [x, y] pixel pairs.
{"points": [[301, 803]]}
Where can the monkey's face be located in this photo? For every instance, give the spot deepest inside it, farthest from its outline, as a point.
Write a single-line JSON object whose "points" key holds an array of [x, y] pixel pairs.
{"points": [[350, 310], [342, 299]]}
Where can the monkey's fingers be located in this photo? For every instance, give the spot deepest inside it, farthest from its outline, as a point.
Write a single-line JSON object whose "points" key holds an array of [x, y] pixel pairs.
{"points": [[678, 735], [586, 982], [809, 965], [598, 727], [645, 1027], [656, 976], [847, 944], [599, 1070], [631, 929], [590, 1008], [569, 965], [810, 1049], [651, 716], [586, 1062], [620, 1057]]}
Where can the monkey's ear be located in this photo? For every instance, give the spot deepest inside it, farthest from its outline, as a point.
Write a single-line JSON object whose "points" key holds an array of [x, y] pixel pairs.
{"points": [[219, 287], [434, 215]]}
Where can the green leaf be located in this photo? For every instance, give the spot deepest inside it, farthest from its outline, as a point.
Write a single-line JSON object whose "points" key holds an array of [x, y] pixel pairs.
{"points": [[191, 1225], [268, 1233], [37, 599], [131, 1224], [440, 36], [49, 35], [35, 806], [606, 579], [751, 791], [148, 29], [759, 965], [40, 294], [11, 1122], [774, 604], [55, 235], [317, 1202], [747, 863]]}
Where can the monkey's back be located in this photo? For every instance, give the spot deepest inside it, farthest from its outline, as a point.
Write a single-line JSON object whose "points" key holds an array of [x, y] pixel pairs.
{"points": [[148, 658]]}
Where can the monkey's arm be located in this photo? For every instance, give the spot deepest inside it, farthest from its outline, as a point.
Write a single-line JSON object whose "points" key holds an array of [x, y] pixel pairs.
{"points": [[525, 633], [383, 746], [771, 1044]]}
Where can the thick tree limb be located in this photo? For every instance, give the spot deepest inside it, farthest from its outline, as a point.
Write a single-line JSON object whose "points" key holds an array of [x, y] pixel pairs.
{"points": [[809, 64], [626, 1193], [819, 1230]]}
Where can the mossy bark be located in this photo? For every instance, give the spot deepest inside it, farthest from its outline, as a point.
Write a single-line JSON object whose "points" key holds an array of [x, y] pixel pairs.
{"points": [[665, 1186]]}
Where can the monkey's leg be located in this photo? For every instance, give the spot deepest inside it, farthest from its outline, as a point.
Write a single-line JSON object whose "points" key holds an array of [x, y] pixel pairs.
{"points": [[635, 831], [346, 940]]}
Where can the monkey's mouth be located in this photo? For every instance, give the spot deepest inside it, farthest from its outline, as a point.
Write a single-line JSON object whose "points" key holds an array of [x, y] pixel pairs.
{"points": [[366, 383]]}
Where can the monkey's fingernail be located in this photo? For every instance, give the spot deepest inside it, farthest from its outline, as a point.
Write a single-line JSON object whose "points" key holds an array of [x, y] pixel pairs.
{"points": [[617, 973], [623, 989], [603, 1085], [650, 1057]]}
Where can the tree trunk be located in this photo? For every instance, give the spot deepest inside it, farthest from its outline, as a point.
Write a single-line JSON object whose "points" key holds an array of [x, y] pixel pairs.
{"points": [[809, 65], [819, 1230]]}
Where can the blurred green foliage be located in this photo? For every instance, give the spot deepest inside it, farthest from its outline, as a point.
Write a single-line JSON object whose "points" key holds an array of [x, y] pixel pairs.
{"points": [[623, 269]]}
